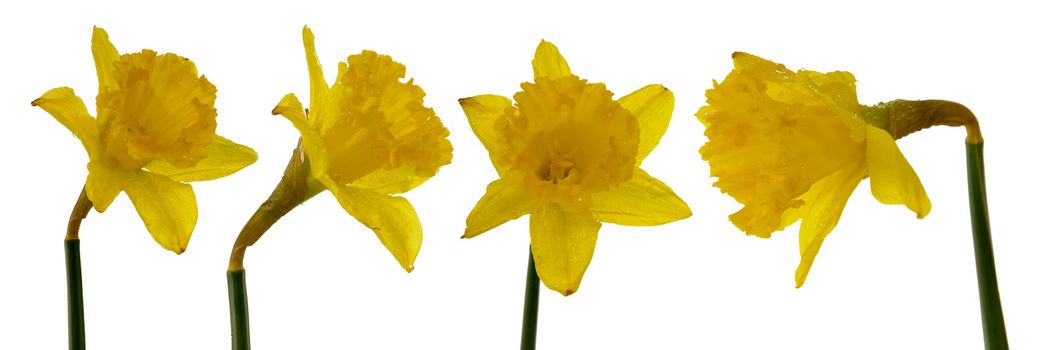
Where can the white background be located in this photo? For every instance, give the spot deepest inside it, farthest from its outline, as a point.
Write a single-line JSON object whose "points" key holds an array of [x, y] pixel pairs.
{"points": [[320, 280]]}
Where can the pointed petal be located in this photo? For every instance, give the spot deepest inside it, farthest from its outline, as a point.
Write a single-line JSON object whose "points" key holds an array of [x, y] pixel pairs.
{"points": [[892, 179], [548, 63], [69, 110], [291, 109], [790, 216], [642, 201], [822, 206], [317, 77], [105, 181], [341, 70], [562, 245], [105, 55], [391, 181], [652, 106], [393, 219], [501, 203], [224, 157], [168, 208], [482, 112]]}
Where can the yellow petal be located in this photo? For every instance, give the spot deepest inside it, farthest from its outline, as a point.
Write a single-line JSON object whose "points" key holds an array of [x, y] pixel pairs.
{"points": [[838, 91], [291, 109], [482, 112], [168, 208], [652, 106], [642, 201], [391, 181], [317, 77], [224, 158], [393, 220], [833, 91], [822, 206], [105, 181], [69, 110], [891, 177], [548, 63], [341, 70], [762, 68], [562, 243], [105, 55], [501, 203], [790, 216]]}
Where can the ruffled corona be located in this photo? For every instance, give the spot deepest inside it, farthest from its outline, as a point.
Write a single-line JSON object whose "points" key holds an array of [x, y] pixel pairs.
{"points": [[794, 145], [379, 122], [160, 109], [566, 140]]}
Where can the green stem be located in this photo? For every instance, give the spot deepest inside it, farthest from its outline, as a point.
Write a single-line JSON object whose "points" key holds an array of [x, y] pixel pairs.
{"points": [[74, 284], [235, 282], [532, 299], [992, 314], [76, 295]]}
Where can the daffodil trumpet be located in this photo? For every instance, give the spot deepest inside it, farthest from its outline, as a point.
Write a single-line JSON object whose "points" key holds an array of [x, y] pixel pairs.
{"points": [[367, 137], [154, 132], [794, 145], [570, 157]]}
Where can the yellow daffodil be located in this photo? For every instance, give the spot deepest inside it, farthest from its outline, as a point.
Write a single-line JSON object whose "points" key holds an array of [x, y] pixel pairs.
{"points": [[155, 131], [568, 154], [793, 146], [368, 136]]}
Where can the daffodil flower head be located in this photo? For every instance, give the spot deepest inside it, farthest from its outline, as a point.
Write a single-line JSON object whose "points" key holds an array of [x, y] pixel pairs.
{"points": [[368, 136], [155, 130], [793, 145], [568, 154]]}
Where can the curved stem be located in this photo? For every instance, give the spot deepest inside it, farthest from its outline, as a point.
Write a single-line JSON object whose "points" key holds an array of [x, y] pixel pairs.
{"points": [[280, 202], [80, 211], [994, 331], [293, 190], [268, 213], [902, 117], [529, 314], [74, 285]]}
